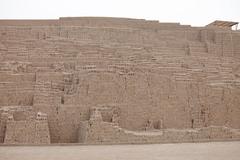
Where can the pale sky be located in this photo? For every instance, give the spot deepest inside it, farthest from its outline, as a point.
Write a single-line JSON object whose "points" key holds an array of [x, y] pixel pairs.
{"points": [[192, 12]]}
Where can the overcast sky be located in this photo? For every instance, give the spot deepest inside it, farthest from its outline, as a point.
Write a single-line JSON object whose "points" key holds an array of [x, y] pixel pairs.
{"points": [[194, 12]]}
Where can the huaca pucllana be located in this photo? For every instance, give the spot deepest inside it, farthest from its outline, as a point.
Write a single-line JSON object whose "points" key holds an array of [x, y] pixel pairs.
{"points": [[116, 80]]}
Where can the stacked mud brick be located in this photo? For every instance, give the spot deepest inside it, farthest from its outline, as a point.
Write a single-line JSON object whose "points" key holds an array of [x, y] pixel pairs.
{"points": [[150, 81]]}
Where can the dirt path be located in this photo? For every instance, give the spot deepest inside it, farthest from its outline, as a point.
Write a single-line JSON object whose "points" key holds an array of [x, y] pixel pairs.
{"points": [[184, 151]]}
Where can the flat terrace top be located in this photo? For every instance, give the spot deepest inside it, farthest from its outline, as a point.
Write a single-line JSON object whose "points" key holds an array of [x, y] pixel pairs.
{"points": [[80, 21]]}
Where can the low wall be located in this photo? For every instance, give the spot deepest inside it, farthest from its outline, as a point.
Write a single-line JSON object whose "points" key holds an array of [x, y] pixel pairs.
{"points": [[95, 132], [27, 132]]}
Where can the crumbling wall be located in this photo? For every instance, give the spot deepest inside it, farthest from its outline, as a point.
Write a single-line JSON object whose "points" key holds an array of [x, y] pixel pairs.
{"points": [[96, 131], [31, 130], [168, 75]]}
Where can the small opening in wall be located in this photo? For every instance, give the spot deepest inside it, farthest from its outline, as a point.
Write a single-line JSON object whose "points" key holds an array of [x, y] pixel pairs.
{"points": [[192, 123], [62, 100]]}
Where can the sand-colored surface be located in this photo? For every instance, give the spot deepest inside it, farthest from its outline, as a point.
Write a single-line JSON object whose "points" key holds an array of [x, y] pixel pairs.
{"points": [[100, 80], [184, 151]]}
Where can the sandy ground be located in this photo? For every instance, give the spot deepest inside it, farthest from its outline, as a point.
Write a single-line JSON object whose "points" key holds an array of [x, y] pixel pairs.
{"points": [[184, 151]]}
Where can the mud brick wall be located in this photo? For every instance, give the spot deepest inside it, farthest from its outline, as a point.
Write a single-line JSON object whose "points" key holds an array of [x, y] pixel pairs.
{"points": [[27, 132], [186, 77], [100, 132]]}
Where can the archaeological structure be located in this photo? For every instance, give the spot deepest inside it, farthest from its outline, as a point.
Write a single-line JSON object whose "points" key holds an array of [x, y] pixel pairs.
{"points": [[98, 80]]}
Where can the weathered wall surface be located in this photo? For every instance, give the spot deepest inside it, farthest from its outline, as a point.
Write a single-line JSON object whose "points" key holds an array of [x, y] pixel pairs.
{"points": [[184, 77], [100, 132], [21, 125], [27, 132]]}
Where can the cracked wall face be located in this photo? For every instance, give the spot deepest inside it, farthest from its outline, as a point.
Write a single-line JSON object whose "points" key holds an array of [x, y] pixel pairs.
{"points": [[180, 76]]}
